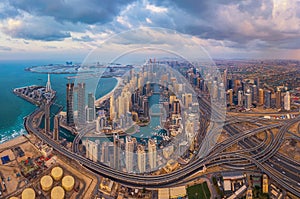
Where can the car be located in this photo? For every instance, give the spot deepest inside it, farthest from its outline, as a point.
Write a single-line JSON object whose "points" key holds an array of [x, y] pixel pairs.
{"points": [[283, 172]]}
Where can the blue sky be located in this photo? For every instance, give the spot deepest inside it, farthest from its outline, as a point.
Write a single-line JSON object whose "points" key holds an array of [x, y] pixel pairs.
{"points": [[70, 29]]}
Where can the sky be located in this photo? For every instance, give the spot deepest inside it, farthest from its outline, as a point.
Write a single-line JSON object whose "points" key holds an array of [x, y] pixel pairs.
{"points": [[72, 29]]}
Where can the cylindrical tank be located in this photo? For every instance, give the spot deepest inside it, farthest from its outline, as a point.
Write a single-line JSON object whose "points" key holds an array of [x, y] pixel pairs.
{"points": [[57, 173], [57, 193], [68, 183], [46, 182], [28, 193], [13, 197]]}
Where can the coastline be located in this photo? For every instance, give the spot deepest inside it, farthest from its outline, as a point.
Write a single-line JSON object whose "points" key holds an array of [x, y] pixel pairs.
{"points": [[15, 141], [105, 97]]}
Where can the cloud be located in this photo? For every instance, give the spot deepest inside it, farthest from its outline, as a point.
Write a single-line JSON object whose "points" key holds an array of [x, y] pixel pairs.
{"points": [[89, 11], [5, 48], [50, 47], [230, 25], [31, 28], [156, 9], [7, 11], [84, 38]]}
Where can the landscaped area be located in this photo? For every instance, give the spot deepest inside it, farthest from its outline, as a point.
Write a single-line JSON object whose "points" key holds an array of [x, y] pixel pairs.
{"points": [[199, 191]]}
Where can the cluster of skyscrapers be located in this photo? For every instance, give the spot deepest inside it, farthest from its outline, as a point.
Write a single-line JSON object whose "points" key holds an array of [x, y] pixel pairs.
{"points": [[123, 153], [178, 112], [85, 109], [245, 93], [249, 94]]}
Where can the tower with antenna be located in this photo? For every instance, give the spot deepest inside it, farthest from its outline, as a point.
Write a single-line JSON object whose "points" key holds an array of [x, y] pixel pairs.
{"points": [[48, 85]]}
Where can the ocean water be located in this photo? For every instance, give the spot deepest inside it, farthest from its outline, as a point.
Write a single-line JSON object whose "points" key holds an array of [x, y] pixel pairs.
{"points": [[13, 109]]}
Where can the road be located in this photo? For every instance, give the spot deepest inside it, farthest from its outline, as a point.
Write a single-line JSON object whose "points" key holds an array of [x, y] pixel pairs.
{"points": [[263, 160]]}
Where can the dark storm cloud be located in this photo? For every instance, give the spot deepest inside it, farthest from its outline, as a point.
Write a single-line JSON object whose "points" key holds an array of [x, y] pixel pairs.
{"points": [[89, 11]]}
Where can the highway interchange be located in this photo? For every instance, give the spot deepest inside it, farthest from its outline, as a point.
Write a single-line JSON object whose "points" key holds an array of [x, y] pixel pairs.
{"points": [[261, 154]]}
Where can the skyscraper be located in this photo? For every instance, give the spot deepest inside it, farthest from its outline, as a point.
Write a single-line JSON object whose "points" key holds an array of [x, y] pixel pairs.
{"points": [[117, 152], [48, 85], [81, 103], [254, 93], [141, 158], [90, 111], [92, 150], [267, 99], [112, 108], [287, 101], [240, 98], [225, 78], [146, 106], [152, 153], [176, 106], [56, 127], [248, 100], [256, 82], [261, 96], [187, 99], [70, 112], [278, 98], [230, 96], [129, 149], [221, 92], [47, 117], [214, 90]]}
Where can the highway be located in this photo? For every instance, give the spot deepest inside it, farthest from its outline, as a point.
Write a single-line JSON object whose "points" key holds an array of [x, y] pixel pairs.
{"points": [[263, 160]]}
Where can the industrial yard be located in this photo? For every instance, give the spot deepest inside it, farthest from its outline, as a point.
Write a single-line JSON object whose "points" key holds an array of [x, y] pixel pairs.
{"points": [[26, 171]]}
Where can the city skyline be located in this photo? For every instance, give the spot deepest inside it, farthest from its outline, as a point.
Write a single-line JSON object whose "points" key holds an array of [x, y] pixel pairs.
{"points": [[152, 99]]}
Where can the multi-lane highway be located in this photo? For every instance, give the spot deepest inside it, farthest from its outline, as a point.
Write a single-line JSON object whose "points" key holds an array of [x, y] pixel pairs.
{"points": [[265, 158]]}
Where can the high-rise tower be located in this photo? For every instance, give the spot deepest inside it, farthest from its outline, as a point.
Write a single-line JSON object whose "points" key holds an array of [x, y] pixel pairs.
{"points": [[261, 96], [141, 158], [70, 111], [146, 106], [56, 127], [267, 99], [90, 111], [129, 149], [48, 85], [81, 103], [278, 98], [248, 100], [47, 117], [152, 153], [287, 101], [117, 152]]}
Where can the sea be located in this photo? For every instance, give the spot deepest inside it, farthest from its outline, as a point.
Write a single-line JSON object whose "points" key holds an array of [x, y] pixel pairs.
{"points": [[13, 109]]}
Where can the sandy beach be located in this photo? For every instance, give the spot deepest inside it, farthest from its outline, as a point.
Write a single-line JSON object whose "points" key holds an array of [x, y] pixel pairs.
{"points": [[105, 97], [17, 140]]}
